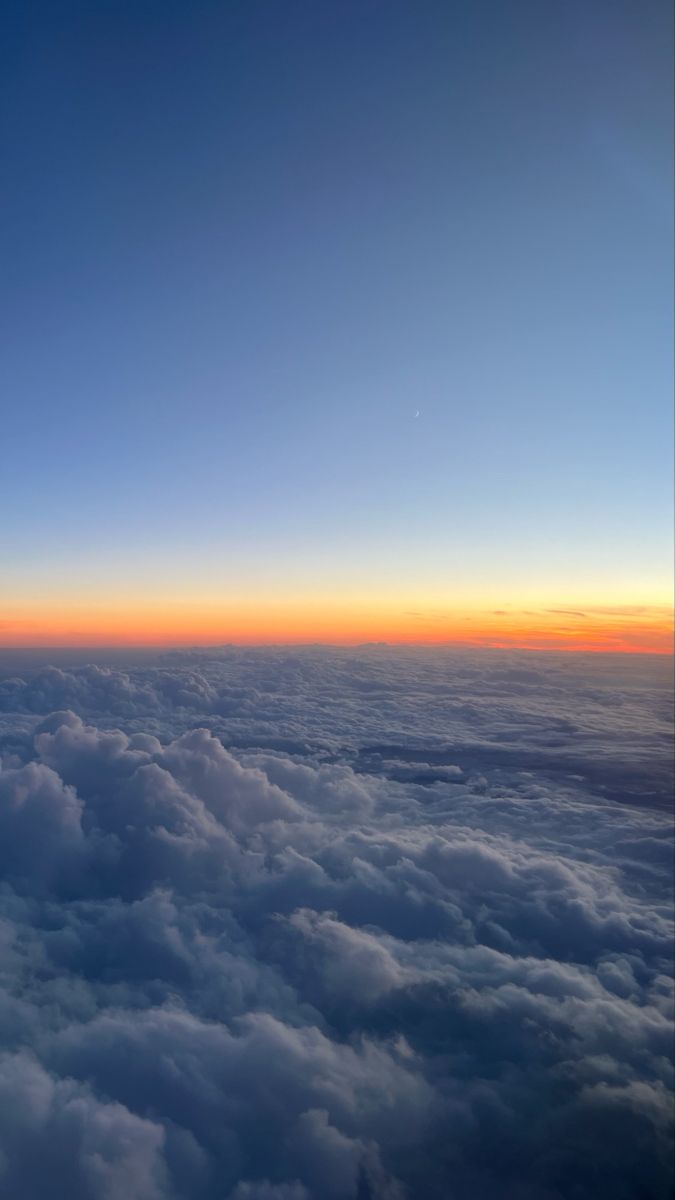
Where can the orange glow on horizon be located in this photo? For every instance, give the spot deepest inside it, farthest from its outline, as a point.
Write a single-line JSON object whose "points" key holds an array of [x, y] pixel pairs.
{"points": [[625, 629]]}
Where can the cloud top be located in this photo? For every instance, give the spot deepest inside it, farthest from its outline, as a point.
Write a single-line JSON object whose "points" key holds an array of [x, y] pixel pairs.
{"points": [[258, 946]]}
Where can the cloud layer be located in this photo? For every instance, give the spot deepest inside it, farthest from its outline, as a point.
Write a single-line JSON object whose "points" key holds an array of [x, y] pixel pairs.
{"points": [[295, 926]]}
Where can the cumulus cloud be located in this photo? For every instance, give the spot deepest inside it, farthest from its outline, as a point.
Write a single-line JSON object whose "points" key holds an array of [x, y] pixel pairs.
{"points": [[334, 926], [57, 1134]]}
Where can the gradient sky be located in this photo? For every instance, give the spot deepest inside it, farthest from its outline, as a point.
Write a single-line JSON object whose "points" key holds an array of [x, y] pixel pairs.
{"points": [[244, 243]]}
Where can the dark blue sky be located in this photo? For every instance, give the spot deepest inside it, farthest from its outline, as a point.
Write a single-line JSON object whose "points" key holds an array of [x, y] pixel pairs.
{"points": [[244, 243]]}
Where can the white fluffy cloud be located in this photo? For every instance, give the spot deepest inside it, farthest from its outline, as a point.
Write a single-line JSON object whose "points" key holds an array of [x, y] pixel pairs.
{"points": [[392, 940]]}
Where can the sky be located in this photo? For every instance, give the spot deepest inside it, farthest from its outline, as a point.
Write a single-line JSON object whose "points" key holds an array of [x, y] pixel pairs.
{"points": [[336, 321]]}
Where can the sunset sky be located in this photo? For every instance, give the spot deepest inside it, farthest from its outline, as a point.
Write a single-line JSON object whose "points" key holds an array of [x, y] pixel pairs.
{"points": [[337, 322]]}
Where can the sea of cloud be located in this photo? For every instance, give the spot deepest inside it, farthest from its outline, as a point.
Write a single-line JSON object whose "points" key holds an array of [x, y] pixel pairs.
{"points": [[312, 924]]}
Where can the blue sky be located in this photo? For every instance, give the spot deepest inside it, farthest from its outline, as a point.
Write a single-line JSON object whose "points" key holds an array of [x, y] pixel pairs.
{"points": [[244, 243]]}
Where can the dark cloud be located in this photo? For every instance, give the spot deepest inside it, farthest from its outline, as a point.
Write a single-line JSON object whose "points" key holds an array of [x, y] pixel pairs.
{"points": [[332, 926], [568, 612]]}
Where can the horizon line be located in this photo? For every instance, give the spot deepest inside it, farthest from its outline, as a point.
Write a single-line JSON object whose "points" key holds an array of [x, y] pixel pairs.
{"points": [[360, 644]]}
